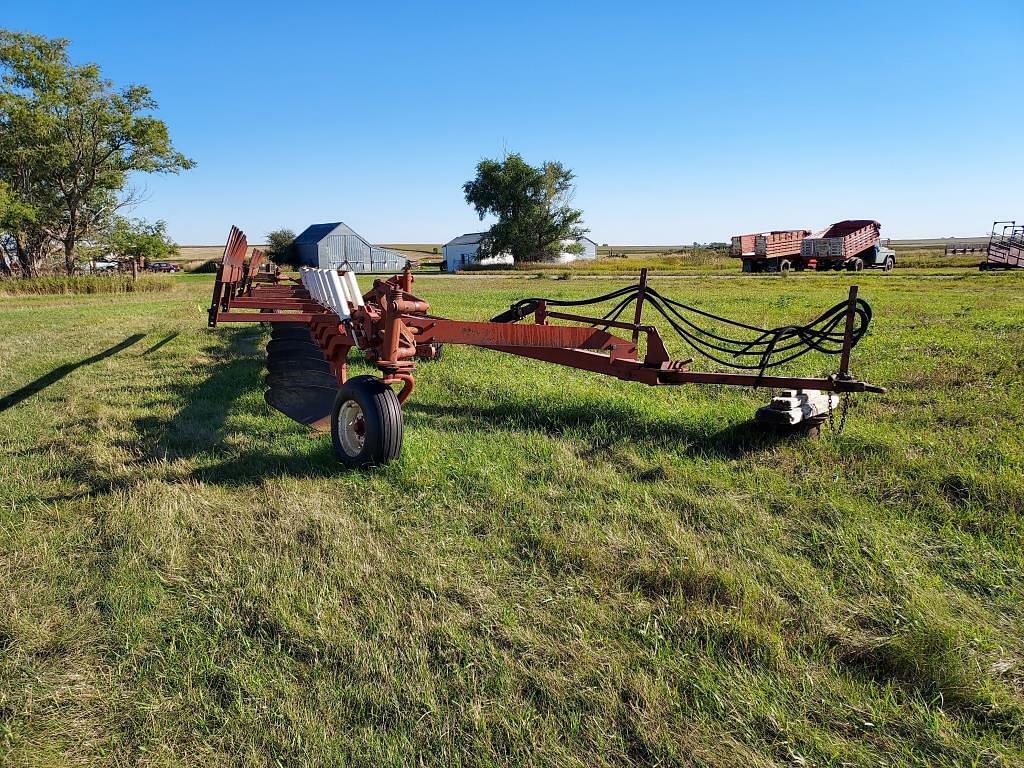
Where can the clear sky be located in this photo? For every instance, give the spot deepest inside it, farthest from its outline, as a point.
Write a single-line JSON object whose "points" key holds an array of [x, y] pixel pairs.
{"points": [[683, 121]]}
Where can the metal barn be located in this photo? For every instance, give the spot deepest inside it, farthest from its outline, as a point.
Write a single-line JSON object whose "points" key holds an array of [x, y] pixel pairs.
{"points": [[337, 245]]}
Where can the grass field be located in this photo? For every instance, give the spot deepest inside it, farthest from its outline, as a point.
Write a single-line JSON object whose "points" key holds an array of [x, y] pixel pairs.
{"points": [[626, 259], [561, 570]]}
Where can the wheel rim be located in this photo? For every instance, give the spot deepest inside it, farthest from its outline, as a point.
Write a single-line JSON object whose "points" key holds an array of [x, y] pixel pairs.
{"points": [[351, 428]]}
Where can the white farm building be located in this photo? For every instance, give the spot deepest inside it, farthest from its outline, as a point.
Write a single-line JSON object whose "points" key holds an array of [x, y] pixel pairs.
{"points": [[463, 251]]}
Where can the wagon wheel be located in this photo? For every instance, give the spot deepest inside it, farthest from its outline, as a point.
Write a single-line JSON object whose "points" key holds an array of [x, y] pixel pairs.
{"points": [[366, 423]]}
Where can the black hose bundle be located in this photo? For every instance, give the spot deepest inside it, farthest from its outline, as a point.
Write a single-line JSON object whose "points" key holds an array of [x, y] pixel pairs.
{"points": [[759, 350]]}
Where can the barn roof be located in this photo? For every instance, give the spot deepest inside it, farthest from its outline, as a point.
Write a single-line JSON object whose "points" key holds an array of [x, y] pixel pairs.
{"points": [[470, 238], [316, 232]]}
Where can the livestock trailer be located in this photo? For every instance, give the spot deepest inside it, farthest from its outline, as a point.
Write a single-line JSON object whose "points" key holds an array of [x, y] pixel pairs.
{"points": [[775, 251], [853, 244], [1005, 246]]}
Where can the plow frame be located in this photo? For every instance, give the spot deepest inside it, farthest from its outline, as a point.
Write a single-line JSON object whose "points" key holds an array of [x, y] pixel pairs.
{"points": [[393, 328]]}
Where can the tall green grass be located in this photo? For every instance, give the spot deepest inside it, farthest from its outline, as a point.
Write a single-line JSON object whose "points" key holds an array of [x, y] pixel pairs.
{"points": [[85, 284]]}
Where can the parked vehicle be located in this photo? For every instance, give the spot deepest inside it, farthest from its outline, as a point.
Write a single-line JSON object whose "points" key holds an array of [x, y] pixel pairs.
{"points": [[163, 266], [95, 267], [1005, 246], [775, 251], [852, 244]]}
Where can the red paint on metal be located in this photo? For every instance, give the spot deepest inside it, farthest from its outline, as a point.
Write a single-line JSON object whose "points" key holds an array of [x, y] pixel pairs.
{"points": [[394, 325]]}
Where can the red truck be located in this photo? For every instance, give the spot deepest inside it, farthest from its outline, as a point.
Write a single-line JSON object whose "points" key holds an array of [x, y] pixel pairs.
{"points": [[852, 244], [774, 251]]}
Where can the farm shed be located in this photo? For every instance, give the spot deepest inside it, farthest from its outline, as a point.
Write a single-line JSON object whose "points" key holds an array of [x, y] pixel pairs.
{"points": [[330, 246], [589, 252], [463, 251]]}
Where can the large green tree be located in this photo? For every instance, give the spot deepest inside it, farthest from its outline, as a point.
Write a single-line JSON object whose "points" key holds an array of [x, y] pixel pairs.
{"points": [[531, 205], [69, 141], [140, 240], [281, 247]]}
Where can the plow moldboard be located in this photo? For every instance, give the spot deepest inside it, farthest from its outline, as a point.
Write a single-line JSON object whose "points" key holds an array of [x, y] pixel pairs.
{"points": [[307, 404], [297, 362]]}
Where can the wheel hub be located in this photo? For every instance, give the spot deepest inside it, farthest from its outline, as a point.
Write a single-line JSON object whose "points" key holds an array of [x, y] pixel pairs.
{"points": [[351, 428]]}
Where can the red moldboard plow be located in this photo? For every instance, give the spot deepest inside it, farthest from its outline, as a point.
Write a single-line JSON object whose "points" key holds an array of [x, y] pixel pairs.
{"points": [[316, 320]]}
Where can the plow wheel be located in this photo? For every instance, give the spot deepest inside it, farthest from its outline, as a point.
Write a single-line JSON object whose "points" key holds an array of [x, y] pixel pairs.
{"points": [[366, 423]]}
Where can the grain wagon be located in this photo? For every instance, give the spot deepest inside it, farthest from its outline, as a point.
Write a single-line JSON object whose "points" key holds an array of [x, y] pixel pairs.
{"points": [[775, 251], [852, 244]]}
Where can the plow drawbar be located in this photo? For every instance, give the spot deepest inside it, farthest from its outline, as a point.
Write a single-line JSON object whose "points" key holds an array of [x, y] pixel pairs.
{"points": [[316, 320]]}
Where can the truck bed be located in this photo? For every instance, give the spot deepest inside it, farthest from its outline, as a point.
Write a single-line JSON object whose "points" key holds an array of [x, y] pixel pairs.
{"points": [[779, 243], [843, 240]]}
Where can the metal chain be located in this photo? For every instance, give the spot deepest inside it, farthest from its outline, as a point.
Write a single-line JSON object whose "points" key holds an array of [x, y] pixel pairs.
{"points": [[844, 409]]}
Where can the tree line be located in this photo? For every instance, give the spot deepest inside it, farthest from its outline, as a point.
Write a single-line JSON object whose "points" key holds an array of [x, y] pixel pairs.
{"points": [[70, 141]]}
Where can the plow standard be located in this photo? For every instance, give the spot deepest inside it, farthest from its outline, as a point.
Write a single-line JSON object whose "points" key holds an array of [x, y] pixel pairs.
{"points": [[318, 319]]}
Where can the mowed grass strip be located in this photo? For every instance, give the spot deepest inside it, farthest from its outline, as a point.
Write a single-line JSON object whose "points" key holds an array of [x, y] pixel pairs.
{"points": [[562, 569]]}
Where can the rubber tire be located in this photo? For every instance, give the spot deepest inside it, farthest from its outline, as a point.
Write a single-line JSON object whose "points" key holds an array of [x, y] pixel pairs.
{"points": [[890, 262], [785, 266], [382, 415], [855, 265]]}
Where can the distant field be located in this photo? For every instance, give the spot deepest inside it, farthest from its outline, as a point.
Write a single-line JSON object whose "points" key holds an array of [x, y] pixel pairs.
{"points": [[939, 242], [667, 259], [692, 261]]}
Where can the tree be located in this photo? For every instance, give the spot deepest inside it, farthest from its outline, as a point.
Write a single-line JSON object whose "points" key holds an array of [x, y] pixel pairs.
{"points": [[68, 142], [281, 247], [136, 239], [531, 205]]}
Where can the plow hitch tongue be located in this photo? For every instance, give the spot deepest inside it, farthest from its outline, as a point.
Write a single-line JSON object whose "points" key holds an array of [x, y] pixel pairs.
{"points": [[317, 319]]}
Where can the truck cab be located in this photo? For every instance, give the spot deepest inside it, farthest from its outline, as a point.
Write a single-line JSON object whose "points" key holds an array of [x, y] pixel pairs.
{"points": [[880, 257]]}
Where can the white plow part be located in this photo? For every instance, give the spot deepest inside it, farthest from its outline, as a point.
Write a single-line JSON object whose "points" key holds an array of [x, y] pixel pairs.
{"points": [[794, 406], [355, 296], [337, 291], [327, 289]]}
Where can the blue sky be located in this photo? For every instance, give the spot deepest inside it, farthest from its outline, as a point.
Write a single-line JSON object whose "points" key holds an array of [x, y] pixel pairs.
{"points": [[682, 121]]}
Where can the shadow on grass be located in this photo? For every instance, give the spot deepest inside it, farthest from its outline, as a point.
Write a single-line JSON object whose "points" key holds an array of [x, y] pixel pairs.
{"points": [[200, 428], [167, 339], [623, 424], [205, 429], [37, 386]]}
